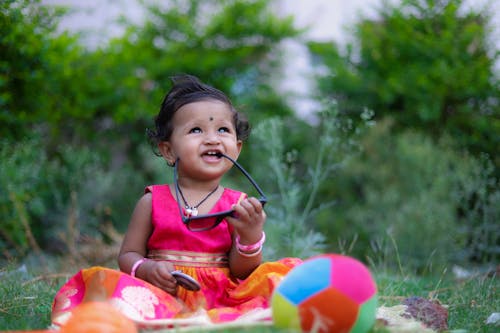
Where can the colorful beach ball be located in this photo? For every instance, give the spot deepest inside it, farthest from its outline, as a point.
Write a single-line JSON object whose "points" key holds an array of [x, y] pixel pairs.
{"points": [[326, 293]]}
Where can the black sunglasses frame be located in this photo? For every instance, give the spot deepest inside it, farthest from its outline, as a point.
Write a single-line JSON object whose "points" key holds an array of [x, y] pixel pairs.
{"points": [[219, 216]]}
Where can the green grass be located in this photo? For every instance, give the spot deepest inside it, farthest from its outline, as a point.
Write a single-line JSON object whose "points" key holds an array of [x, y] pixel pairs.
{"points": [[25, 300], [26, 297], [472, 302], [469, 302]]}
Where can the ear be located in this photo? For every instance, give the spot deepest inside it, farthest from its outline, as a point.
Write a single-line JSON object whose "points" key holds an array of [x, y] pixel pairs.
{"points": [[239, 145], [166, 151]]}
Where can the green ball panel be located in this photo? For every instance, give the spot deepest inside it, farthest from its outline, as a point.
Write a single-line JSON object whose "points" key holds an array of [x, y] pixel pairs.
{"points": [[285, 314], [366, 316]]}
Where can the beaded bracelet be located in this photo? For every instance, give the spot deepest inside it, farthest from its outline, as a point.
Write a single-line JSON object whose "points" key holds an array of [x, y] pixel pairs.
{"points": [[136, 266], [248, 255], [251, 247]]}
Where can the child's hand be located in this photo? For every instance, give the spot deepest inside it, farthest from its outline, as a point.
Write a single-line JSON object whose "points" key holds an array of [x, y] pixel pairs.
{"points": [[158, 274], [249, 220]]}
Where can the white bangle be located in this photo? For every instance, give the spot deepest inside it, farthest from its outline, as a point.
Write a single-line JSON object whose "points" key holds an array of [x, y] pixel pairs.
{"points": [[136, 266], [248, 255]]}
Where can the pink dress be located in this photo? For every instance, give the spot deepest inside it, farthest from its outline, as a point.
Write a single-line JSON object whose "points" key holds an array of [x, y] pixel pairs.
{"points": [[202, 255]]}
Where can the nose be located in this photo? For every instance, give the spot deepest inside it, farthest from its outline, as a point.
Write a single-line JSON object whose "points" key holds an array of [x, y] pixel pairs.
{"points": [[212, 137]]}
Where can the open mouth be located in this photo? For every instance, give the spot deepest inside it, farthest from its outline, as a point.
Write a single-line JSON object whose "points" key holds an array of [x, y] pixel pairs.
{"points": [[213, 154]]}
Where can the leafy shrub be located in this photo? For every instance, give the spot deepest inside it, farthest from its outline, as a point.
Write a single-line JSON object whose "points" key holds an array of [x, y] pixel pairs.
{"points": [[296, 174], [428, 64], [290, 213], [407, 199], [47, 202], [22, 172], [479, 212]]}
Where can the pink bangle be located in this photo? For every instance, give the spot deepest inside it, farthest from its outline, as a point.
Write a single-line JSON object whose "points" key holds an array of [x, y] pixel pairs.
{"points": [[136, 266], [251, 247], [248, 255]]}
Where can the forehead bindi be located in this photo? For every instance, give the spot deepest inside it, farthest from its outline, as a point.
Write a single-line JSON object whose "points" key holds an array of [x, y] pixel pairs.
{"points": [[206, 110]]}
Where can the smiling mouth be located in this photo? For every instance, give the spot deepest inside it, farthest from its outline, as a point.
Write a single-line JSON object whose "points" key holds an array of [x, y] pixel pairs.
{"points": [[214, 154]]}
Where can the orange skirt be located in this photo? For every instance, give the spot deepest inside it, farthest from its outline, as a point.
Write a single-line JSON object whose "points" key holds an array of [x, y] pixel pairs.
{"points": [[221, 298]]}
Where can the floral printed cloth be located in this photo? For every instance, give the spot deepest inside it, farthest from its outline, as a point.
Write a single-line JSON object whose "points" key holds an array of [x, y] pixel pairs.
{"points": [[149, 306]]}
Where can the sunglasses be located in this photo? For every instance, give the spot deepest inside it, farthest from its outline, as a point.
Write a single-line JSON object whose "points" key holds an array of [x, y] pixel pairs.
{"points": [[209, 221]]}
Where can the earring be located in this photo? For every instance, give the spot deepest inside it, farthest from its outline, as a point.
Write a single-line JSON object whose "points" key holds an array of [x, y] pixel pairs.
{"points": [[170, 164]]}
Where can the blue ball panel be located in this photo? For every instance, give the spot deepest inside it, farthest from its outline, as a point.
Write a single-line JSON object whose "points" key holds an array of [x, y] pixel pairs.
{"points": [[306, 280]]}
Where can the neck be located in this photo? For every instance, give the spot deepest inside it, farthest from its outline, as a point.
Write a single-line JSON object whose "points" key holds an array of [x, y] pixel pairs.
{"points": [[192, 208], [189, 184]]}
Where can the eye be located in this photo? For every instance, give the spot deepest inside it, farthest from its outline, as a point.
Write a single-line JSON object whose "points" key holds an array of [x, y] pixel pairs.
{"points": [[224, 130], [195, 130]]}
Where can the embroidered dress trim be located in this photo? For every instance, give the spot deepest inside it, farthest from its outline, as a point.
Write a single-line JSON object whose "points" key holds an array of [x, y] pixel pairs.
{"points": [[191, 259]]}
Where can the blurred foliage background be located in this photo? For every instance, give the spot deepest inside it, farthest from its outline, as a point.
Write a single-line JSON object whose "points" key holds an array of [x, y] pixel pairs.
{"points": [[400, 167]]}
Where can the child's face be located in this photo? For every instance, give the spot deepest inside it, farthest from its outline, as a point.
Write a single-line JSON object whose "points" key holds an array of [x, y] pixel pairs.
{"points": [[202, 129]]}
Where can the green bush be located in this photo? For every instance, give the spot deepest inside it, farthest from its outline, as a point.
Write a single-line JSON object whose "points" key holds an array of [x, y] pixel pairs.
{"points": [[479, 212], [24, 181], [295, 160], [429, 64], [290, 212], [408, 201], [47, 201]]}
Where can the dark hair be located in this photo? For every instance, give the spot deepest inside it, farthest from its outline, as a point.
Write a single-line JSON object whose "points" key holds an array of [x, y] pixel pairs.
{"points": [[189, 89]]}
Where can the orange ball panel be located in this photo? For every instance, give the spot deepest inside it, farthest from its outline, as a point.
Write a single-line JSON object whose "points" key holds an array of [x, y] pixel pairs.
{"points": [[328, 311]]}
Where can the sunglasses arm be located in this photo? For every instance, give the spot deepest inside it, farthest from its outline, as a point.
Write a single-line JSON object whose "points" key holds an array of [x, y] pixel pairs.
{"points": [[263, 198]]}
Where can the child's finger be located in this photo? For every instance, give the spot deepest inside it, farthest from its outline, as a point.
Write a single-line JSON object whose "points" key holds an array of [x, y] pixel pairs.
{"points": [[164, 272], [256, 204]]}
